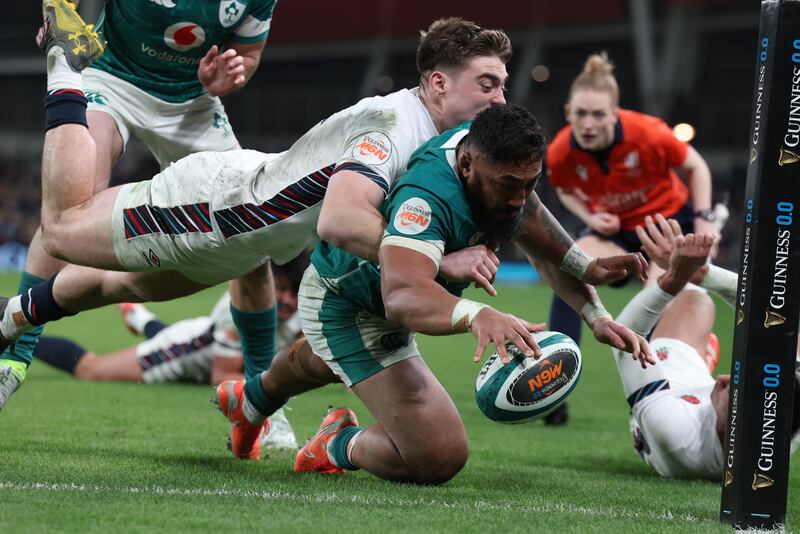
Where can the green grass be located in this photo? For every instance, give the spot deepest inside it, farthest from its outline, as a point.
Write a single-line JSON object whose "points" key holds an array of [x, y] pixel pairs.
{"points": [[100, 456]]}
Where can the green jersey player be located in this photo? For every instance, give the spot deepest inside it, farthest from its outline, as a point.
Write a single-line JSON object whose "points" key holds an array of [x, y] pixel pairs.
{"points": [[473, 184], [159, 79]]}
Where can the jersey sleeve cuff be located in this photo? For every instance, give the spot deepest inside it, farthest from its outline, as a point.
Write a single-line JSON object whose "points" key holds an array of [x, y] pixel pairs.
{"points": [[369, 172], [431, 249]]}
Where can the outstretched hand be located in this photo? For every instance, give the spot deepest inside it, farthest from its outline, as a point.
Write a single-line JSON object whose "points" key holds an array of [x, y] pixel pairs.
{"points": [[658, 238], [223, 73], [619, 336], [492, 326], [608, 270]]}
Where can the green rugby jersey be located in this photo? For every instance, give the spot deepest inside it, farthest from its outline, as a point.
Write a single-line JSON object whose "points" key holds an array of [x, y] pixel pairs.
{"points": [[157, 45], [426, 210]]}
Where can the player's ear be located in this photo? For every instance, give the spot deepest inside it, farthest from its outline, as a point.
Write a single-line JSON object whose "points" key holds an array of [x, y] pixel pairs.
{"points": [[566, 111], [464, 162], [437, 81]]}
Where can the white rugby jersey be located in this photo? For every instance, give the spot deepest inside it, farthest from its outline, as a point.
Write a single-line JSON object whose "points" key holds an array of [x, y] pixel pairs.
{"points": [[375, 137]]}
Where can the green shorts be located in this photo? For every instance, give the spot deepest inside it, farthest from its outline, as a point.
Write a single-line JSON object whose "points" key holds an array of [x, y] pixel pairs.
{"points": [[355, 343]]}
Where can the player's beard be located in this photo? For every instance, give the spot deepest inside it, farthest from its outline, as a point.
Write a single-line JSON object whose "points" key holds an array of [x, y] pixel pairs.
{"points": [[498, 230]]}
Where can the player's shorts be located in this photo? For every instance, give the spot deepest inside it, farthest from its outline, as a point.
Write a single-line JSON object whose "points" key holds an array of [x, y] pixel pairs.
{"points": [[355, 344], [166, 223], [673, 423], [629, 241], [170, 130], [181, 352]]}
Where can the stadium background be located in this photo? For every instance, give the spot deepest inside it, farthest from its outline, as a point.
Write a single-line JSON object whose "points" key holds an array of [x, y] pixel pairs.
{"points": [[684, 60]]}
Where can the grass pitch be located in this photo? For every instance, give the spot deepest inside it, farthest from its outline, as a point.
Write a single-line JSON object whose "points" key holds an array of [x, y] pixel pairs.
{"points": [[80, 457]]}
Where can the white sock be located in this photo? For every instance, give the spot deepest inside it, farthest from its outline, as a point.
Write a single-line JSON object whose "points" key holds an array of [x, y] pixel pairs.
{"points": [[138, 318], [251, 413], [13, 323], [59, 74]]}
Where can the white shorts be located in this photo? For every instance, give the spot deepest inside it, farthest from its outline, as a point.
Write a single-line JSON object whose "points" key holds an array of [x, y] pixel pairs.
{"points": [[165, 224], [673, 423], [181, 352], [170, 130]]}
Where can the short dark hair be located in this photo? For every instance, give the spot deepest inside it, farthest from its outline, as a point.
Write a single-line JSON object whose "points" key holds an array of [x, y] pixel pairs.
{"points": [[507, 133], [293, 270], [451, 42]]}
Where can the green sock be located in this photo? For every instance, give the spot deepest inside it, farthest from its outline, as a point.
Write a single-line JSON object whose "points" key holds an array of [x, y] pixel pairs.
{"points": [[23, 348], [337, 448], [257, 332]]}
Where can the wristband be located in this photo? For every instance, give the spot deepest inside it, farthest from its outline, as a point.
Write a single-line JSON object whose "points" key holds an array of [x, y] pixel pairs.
{"points": [[576, 262], [464, 313], [592, 311]]}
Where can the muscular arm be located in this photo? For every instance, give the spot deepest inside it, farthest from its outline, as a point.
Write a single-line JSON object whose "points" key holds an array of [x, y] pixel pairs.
{"points": [[411, 296], [541, 235], [349, 218]]}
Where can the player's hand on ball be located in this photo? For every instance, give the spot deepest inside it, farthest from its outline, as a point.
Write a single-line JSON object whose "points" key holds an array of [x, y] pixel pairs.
{"points": [[222, 73], [472, 264], [658, 238], [619, 336], [492, 326], [608, 270], [604, 223]]}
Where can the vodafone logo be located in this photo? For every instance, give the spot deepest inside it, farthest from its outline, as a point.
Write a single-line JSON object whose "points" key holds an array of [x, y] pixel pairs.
{"points": [[373, 148], [184, 36], [413, 217]]}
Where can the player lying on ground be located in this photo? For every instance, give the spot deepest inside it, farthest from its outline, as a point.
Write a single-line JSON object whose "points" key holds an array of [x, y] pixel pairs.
{"points": [[169, 99], [216, 216], [611, 167], [471, 184], [678, 410], [202, 350]]}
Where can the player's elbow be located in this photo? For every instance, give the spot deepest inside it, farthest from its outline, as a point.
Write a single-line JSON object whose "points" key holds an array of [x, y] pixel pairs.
{"points": [[393, 303], [330, 229]]}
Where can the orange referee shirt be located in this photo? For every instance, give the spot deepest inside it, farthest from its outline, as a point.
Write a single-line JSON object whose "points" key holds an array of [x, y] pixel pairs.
{"points": [[639, 180]]}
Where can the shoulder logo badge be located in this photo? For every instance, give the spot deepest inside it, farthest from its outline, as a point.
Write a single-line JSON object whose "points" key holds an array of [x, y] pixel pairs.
{"points": [[413, 217], [230, 11], [373, 148]]}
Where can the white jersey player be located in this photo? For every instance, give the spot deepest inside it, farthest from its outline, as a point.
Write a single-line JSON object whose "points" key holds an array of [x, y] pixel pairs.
{"points": [[678, 409]]}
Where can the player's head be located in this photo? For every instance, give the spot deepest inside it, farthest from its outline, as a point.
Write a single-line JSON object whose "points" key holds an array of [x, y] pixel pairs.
{"points": [[593, 104], [287, 284], [500, 161], [462, 69]]}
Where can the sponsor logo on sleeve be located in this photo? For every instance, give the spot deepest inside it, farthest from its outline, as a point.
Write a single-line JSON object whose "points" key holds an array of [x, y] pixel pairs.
{"points": [[413, 217], [184, 36], [373, 148], [230, 11]]}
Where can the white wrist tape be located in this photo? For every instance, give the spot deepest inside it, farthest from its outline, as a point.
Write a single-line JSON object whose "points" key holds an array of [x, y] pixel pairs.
{"points": [[576, 262], [464, 313], [592, 311], [722, 282]]}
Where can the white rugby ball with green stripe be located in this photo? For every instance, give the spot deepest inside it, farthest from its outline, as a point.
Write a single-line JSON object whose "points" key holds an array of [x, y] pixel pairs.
{"points": [[525, 389]]}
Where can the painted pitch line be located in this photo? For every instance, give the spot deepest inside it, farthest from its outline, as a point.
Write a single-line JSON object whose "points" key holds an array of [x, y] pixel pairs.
{"points": [[323, 498]]}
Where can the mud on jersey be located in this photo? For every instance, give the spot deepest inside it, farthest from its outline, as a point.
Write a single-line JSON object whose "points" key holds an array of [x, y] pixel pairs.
{"points": [[157, 45], [426, 211]]}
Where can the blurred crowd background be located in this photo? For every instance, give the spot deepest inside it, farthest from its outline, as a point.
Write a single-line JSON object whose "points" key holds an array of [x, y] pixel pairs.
{"points": [[687, 61]]}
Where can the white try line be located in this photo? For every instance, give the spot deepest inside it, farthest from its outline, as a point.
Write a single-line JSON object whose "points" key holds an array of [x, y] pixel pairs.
{"points": [[323, 498]]}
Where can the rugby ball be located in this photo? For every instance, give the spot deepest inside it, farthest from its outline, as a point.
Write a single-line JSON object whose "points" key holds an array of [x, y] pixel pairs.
{"points": [[525, 389]]}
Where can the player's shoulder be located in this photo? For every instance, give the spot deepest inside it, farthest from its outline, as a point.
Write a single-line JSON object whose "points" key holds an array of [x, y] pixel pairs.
{"points": [[559, 149], [636, 125]]}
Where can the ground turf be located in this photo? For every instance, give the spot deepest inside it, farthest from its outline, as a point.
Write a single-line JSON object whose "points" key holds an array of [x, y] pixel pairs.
{"points": [[95, 457]]}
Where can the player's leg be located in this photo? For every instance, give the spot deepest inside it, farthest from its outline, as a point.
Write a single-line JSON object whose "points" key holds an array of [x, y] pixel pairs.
{"points": [[65, 354], [688, 318], [255, 316], [418, 435]]}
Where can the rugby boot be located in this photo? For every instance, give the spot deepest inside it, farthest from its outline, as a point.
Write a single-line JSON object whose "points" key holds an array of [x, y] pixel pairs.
{"points": [[244, 439], [559, 416], [712, 352], [126, 310], [314, 456], [9, 382], [4, 343], [64, 28], [280, 435]]}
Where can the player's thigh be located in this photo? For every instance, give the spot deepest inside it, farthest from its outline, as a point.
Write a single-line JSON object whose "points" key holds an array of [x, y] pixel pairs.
{"points": [[417, 414], [109, 143], [598, 247], [122, 365], [82, 235]]}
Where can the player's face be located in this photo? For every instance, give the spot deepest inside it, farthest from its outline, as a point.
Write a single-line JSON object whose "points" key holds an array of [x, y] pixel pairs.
{"points": [[286, 298], [497, 192], [593, 116], [480, 84]]}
